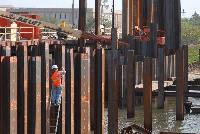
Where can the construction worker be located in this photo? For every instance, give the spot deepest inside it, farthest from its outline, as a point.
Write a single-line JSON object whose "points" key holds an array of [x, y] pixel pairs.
{"points": [[56, 84]]}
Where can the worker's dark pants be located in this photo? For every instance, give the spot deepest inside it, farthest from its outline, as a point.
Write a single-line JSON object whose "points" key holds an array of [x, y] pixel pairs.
{"points": [[56, 95]]}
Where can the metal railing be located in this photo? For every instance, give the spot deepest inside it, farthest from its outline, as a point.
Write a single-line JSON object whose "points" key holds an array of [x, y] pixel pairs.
{"points": [[4, 35]]}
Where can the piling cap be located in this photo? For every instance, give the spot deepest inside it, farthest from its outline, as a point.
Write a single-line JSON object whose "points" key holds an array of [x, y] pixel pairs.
{"points": [[54, 67]]}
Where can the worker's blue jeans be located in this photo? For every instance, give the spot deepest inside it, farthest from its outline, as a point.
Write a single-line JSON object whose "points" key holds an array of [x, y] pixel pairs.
{"points": [[56, 95]]}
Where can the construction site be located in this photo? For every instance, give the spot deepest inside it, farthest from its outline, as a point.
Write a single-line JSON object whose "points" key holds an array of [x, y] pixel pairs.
{"points": [[110, 82]]}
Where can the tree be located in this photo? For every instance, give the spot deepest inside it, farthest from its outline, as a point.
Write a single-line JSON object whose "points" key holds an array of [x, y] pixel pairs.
{"points": [[90, 24], [190, 31], [104, 5], [195, 18], [106, 23]]}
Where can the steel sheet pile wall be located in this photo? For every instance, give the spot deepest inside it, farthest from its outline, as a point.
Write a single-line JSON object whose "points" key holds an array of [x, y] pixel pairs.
{"points": [[25, 87], [96, 77]]}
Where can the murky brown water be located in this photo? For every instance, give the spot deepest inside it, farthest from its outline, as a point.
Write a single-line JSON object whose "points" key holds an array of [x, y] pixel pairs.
{"points": [[164, 120]]}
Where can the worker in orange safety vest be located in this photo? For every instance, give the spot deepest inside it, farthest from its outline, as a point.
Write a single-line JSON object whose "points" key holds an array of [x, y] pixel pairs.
{"points": [[56, 84]]}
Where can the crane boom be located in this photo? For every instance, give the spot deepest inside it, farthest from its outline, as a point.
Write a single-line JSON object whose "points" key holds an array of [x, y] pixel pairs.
{"points": [[66, 30], [39, 23]]}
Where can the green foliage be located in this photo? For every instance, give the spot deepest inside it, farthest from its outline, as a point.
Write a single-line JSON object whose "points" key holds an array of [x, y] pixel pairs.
{"points": [[190, 33], [195, 19], [193, 54], [191, 30], [90, 24], [106, 23]]}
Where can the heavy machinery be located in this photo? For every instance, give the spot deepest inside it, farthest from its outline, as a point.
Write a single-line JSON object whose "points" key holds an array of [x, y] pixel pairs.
{"points": [[67, 30], [141, 34]]}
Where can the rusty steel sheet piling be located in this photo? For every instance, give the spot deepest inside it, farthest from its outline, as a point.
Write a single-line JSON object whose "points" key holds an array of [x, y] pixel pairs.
{"points": [[1, 92], [112, 92], [168, 67], [91, 84], [131, 85], [69, 81], [140, 72], [160, 103], [33, 50], [153, 40], [120, 86], [59, 56], [97, 16], [77, 95], [130, 17], [169, 24], [185, 54], [124, 87], [9, 95], [124, 18], [177, 23], [99, 91], [114, 38], [22, 80], [44, 52], [82, 95], [102, 99], [147, 74], [85, 95], [34, 95], [82, 19], [180, 85], [6, 50]]}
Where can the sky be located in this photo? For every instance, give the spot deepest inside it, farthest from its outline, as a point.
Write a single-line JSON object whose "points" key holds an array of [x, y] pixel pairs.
{"points": [[190, 6]]}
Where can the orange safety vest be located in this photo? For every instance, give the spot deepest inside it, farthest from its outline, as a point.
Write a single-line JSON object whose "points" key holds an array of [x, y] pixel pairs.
{"points": [[56, 79]]}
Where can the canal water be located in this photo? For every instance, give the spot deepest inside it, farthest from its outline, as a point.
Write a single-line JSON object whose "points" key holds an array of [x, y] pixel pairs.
{"points": [[163, 119]]}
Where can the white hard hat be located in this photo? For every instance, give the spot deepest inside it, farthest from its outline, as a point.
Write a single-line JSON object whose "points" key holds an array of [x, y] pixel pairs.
{"points": [[54, 67]]}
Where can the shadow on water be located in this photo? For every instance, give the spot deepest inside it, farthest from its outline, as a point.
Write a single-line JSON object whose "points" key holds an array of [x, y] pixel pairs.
{"points": [[163, 119]]}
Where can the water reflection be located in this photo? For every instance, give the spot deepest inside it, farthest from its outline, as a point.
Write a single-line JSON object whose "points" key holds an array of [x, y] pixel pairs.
{"points": [[163, 119]]}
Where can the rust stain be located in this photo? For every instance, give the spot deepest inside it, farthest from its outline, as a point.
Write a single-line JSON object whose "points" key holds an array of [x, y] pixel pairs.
{"points": [[84, 98], [13, 105]]}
